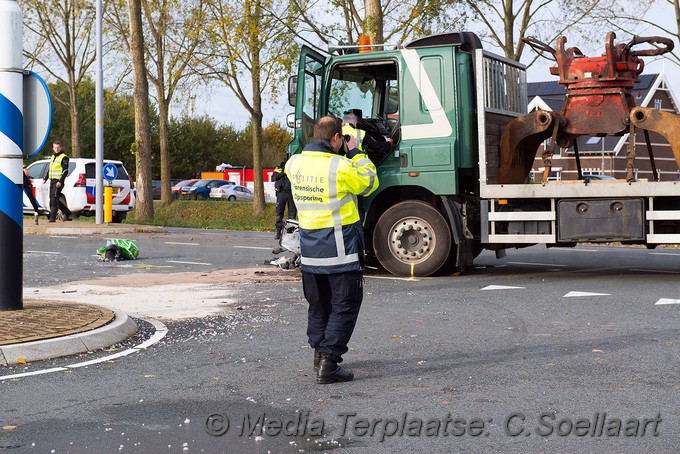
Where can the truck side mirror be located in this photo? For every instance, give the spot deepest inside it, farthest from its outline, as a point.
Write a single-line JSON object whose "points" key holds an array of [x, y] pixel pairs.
{"points": [[292, 90]]}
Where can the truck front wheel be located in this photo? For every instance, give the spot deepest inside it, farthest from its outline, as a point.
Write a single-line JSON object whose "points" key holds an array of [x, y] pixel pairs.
{"points": [[412, 239]]}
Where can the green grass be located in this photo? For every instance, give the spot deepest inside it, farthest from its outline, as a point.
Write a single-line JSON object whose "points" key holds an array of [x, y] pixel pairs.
{"points": [[210, 215]]}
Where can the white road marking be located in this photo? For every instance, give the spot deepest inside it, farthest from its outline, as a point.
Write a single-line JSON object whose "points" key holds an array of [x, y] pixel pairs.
{"points": [[161, 331], [501, 287], [561, 249], [643, 270], [41, 252], [535, 264], [578, 294], [66, 237], [666, 301], [182, 244], [665, 253], [189, 263], [253, 247]]}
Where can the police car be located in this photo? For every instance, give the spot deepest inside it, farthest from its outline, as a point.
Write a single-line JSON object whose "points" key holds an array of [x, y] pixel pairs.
{"points": [[79, 188]]}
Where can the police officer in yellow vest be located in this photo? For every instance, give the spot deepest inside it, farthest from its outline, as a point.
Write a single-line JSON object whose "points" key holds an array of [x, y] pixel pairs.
{"points": [[325, 187], [377, 146], [57, 174]]}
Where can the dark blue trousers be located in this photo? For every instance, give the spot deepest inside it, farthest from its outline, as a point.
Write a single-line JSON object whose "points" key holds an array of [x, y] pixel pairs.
{"points": [[334, 303]]}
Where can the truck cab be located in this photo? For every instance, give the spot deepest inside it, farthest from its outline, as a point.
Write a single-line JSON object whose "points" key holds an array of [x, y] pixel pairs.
{"points": [[456, 180], [422, 96]]}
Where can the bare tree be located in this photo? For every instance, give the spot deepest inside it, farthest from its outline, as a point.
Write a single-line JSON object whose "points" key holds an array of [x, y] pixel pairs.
{"points": [[174, 29], [64, 46], [144, 209], [382, 20], [629, 17], [251, 53], [506, 23]]}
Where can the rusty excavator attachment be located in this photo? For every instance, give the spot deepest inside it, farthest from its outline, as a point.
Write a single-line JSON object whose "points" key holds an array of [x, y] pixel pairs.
{"points": [[661, 122], [519, 143], [599, 102]]}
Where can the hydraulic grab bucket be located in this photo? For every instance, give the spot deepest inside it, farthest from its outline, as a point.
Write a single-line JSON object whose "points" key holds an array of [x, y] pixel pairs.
{"points": [[598, 102]]}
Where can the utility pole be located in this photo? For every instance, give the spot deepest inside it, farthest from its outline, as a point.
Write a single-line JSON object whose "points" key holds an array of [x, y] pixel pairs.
{"points": [[11, 157]]}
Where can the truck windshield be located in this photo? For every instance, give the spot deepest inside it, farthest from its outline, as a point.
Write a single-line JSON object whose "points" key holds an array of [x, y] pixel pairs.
{"points": [[368, 88]]}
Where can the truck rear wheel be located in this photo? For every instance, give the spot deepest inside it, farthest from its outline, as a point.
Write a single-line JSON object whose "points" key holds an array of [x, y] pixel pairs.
{"points": [[412, 239]]}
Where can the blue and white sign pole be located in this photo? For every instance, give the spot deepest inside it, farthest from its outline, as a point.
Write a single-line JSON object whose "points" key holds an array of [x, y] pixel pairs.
{"points": [[11, 156]]}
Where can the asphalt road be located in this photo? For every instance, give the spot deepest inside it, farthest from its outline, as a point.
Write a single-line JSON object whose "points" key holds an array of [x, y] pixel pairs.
{"points": [[545, 350]]}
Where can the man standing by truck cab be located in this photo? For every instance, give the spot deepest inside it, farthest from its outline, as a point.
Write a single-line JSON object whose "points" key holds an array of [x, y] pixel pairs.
{"points": [[57, 174], [325, 187]]}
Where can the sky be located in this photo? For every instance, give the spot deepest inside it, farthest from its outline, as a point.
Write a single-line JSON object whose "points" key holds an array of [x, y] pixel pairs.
{"points": [[222, 105]]}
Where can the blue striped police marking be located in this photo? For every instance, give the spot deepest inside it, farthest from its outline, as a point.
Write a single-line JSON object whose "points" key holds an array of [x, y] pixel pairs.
{"points": [[9, 201], [11, 121]]}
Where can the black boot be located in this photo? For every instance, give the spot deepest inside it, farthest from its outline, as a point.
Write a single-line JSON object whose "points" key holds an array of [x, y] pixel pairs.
{"points": [[278, 233], [330, 372], [317, 359]]}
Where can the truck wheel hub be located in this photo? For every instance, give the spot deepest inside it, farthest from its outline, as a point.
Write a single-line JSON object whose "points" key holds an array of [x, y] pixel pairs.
{"points": [[411, 240]]}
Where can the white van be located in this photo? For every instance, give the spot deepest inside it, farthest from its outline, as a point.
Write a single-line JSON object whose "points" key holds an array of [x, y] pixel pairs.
{"points": [[79, 188]]}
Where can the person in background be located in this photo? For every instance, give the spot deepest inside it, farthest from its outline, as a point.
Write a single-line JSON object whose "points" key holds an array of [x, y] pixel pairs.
{"points": [[325, 185], [283, 197], [28, 189], [57, 174], [365, 142]]}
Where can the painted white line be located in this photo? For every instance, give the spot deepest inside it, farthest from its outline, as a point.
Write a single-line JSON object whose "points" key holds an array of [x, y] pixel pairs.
{"points": [[106, 358], [666, 301], [161, 331], [664, 253], [500, 287], [578, 294], [35, 372], [536, 264], [42, 252], [395, 278], [643, 270], [182, 244], [188, 263], [64, 236], [253, 247], [561, 249]]}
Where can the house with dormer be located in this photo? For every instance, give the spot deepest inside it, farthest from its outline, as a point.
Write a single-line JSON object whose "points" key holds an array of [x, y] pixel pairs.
{"points": [[607, 155]]}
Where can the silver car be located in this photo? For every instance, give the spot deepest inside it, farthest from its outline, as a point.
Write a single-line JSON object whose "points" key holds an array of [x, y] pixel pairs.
{"points": [[232, 193]]}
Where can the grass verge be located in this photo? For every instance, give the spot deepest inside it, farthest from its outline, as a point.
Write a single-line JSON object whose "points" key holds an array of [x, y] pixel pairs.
{"points": [[210, 215]]}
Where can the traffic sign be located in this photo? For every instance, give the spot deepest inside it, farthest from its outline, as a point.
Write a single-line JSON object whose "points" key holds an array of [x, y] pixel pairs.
{"points": [[37, 113], [110, 171]]}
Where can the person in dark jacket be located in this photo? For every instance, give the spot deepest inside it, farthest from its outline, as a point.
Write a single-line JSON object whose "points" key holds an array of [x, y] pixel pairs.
{"points": [[28, 189], [284, 197], [326, 177]]}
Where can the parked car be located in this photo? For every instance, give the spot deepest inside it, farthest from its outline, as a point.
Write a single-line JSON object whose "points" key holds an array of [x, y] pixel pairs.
{"points": [[156, 189], [79, 188], [598, 177], [201, 189], [231, 193], [177, 188]]}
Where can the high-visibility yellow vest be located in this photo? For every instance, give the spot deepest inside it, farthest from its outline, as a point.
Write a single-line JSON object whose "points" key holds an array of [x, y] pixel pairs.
{"points": [[325, 187], [358, 135], [56, 169]]}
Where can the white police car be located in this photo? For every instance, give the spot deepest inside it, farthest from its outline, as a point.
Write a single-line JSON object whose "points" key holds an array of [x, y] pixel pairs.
{"points": [[79, 188]]}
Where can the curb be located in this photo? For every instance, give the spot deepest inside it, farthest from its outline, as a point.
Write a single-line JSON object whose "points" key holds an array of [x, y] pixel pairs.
{"points": [[118, 330], [95, 230]]}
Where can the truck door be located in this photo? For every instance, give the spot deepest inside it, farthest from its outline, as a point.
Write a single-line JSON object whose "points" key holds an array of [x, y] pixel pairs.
{"points": [[428, 118], [308, 96]]}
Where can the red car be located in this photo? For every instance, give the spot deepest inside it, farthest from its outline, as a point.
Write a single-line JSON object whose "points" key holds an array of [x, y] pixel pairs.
{"points": [[177, 189]]}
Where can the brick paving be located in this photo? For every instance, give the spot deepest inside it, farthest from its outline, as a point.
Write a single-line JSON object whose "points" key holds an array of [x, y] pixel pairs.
{"points": [[40, 320]]}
